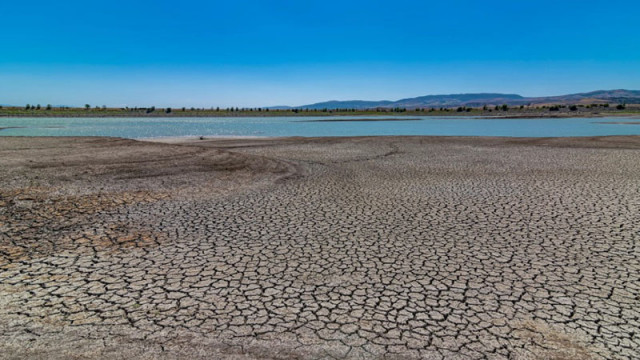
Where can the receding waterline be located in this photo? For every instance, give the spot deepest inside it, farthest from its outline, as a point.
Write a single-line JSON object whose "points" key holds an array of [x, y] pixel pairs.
{"points": [[619, 122], [368, 119], [139, 128]]}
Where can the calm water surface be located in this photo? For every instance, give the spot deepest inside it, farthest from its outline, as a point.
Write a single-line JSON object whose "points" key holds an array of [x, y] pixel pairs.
{"points": [[136, 128]]}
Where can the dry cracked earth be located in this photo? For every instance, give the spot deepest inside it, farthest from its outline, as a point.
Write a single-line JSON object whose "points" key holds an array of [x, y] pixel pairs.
{"points": [[352, 248]]}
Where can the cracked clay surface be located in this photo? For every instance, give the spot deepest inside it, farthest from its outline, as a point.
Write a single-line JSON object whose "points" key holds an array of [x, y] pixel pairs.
{"points": [[353, 248]]}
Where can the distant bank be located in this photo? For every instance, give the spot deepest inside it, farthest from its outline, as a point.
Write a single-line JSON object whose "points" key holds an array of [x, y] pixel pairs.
{"points": [[503, 111], [595, 103]]}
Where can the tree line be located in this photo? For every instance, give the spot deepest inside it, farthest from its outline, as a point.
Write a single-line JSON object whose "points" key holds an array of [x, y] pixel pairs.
{"points": [[485, 108]]}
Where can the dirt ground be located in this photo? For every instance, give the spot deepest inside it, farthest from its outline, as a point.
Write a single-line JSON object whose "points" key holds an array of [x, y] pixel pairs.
{"points": [[298, 248]]}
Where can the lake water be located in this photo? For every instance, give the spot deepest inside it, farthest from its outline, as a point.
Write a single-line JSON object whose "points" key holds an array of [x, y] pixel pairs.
{"points": [[314, 126]]}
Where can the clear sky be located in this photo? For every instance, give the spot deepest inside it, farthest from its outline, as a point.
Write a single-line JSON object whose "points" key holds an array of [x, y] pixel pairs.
{"points": [[260, 53]]}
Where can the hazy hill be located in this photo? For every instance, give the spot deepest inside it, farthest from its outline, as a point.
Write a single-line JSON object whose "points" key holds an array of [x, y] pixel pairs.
{"points": [[481, 99], [350, 104], [458, 100]]}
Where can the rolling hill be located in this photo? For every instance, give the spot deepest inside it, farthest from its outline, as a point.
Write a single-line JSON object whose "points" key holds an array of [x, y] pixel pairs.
{"points": [[481, 99]]}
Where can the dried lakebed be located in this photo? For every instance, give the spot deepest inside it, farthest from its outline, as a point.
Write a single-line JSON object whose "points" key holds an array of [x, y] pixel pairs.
{"points": [[392, 247]]}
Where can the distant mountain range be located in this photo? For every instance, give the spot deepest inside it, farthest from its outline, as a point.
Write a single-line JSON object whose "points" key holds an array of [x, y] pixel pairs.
{"points": [[481, 99]]}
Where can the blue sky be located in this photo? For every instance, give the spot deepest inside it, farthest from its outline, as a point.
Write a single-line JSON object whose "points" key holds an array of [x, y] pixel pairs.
{"points": [[260, 53]]}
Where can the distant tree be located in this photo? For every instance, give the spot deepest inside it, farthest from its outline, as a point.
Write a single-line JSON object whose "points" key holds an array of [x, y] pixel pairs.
{"points": [[606, 105], [621, 106], [505, 107], [184, 109], [104, 107], [38, 107], [27, 107], [468, 109], [192, 109], [573, 108], [167, 110], [460, 109], [497, 108], [521, 106], [554, 108], [48, 106], [87, 106], [485, 108]]}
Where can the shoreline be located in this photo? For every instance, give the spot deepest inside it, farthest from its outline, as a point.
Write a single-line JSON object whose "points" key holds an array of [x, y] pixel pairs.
{"points": [[194, 140], [515, 114], [592, 142]]}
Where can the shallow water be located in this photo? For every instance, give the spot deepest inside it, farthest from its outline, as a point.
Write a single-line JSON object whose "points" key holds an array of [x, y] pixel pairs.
{"points": [[136, 128]]}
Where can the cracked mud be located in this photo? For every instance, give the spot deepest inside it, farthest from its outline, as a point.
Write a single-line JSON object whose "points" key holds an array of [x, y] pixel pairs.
{"points": [[357, 248]]}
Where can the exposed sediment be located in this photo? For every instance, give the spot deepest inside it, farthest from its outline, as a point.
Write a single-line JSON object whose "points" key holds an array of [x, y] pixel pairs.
{"points": [[387, 247]]}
